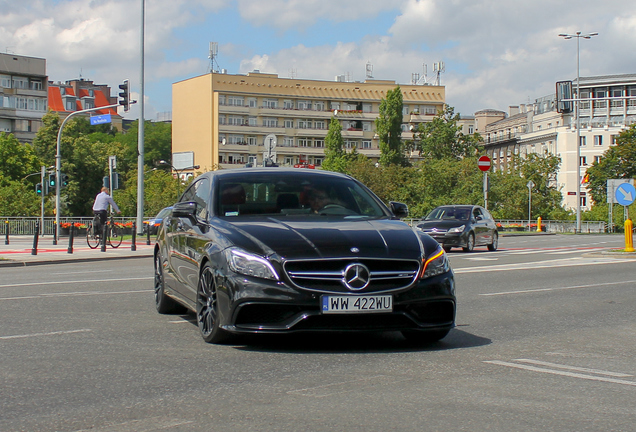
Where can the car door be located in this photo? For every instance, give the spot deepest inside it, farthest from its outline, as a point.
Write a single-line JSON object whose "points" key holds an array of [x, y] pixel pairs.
{"points": [[491, 226], [480, 226]]}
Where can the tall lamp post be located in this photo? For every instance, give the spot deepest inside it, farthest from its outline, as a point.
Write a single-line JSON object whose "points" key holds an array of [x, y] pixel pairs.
{"points": [[178, 171], [578, 35]]}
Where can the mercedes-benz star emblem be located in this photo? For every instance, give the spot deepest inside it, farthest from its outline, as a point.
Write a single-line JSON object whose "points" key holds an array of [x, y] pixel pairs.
{"points": [[354, 250], [356, 276]]}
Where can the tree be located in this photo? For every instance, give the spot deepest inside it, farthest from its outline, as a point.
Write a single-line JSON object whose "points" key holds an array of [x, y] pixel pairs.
{"points": [[388, 126], [335, 155], [442, 138], [618, 162], [18, 199], [161, 190], [18, 160]]}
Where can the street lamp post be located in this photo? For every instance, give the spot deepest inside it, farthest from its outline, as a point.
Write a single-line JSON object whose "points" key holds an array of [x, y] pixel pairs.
{"points": [[577, 112]]}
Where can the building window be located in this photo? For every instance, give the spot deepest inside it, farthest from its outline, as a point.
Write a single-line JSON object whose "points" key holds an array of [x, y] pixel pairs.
{"points": [[319, 124], [252, 102], [597, 159], [288, 142], [598, 140], [235, 101], [222, 120], [318, 161], [582, 141], [335, 105], [366, 107], [319, 143], [583, 161], [319, 106], [600, 94], [221, 99], [304, 105], [20, 83], [304, 124], [367, 126], [617, 103], [366, 144], [5, 81], [235, 120], [252, 121], [36, 85], [471, 129], [303, 142], [270, 122], [251, 140], [236, 139], [583, 201], [289, 124], [270, 103], [288, 104]]}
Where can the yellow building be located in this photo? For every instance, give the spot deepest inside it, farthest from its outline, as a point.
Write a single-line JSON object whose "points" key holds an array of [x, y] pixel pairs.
{"points": [[223, 120]]}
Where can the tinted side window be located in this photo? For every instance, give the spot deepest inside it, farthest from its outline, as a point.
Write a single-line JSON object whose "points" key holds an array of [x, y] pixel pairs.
{"points": [[199, 192]]}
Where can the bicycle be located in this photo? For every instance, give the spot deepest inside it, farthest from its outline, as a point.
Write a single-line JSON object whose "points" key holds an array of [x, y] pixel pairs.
{"points": [[114, 234]]}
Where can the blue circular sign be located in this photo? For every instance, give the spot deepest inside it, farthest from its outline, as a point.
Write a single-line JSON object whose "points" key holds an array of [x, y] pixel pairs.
{"points": [[625, 194]]}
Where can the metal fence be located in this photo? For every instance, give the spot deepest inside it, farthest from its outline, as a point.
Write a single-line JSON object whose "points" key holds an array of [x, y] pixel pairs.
{"points": [[26, 225]]}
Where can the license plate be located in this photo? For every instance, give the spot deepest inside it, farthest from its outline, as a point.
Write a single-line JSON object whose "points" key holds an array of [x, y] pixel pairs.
{"points": [[357, 304]]}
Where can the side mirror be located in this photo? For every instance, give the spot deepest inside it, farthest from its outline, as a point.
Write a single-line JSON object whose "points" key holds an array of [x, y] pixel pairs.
{"points": [[399, 210], [185, 209]]}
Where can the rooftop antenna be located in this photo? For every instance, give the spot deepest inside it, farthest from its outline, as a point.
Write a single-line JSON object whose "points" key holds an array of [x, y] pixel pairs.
{"points": [[438, 68], [293, 73], [214, 51], [369, 70]]}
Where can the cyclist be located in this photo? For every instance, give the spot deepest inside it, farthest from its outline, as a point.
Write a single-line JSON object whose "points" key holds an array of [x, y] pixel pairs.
{"points": [[100, 207]]}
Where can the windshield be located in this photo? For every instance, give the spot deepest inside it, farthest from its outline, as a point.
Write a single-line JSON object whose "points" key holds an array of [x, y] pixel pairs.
{"points": [[291, 194], [449, 213]]}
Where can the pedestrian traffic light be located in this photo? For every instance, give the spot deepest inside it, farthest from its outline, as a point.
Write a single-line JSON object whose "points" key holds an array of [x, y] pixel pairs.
{"points": [[106, 182], [124, 95], [116, 181], [63, 180], [51, 180], [38, 188]]}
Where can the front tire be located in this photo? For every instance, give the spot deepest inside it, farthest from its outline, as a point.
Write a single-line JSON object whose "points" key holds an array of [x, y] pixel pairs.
{"points": [[495, 242], [163, 303], [470, 243], [91, 236], [208, 308]]}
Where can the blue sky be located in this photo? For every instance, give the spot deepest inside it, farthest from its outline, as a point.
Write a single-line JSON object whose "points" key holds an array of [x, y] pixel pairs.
{"points": [[496, 53]]}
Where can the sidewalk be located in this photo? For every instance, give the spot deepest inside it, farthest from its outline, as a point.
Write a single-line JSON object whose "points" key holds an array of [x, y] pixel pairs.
{"points": [[19, 251]]}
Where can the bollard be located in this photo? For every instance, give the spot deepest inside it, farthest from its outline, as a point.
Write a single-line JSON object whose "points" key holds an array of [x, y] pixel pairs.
{"points": [[103, 238], [133, 246], [34, 251], [55, 232], [71, 230], [147, 234], [6, 232], [539, 223], [629, 237]]}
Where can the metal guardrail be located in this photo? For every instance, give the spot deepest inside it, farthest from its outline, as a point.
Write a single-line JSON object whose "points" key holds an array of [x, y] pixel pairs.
{"points": [[26, 225]]}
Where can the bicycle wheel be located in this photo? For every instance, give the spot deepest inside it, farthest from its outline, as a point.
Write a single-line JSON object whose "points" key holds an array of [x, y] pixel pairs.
{"points": [[92, 238], [115, 236]]}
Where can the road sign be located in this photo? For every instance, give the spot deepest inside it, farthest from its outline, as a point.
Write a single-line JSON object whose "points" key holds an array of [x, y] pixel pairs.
{"points": [[484, 163], [100, 119], [625, 194]]}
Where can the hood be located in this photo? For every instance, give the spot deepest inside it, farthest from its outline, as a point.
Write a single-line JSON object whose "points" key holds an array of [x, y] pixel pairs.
{"points": [[325, 237], [442, 224]]}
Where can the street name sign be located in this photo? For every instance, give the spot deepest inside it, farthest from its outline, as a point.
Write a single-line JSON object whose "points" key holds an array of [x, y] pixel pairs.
{"points": [[100, 119]]}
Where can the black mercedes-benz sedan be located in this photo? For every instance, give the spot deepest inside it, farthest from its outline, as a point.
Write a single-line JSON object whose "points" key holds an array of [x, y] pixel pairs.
{"points": [[273, 250]]}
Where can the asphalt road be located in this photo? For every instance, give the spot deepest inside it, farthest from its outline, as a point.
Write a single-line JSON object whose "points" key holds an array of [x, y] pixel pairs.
{"points": [[545, 341]]}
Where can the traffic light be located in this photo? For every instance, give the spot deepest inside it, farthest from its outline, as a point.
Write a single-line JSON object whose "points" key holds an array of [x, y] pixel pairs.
{"points": [[63, 180], [116, 181], [106, 182], [124, 95], [38, 188], [51, 180]]}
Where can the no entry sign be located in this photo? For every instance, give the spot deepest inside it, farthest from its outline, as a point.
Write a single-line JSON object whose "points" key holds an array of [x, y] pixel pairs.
{"points": [[484, 163]]}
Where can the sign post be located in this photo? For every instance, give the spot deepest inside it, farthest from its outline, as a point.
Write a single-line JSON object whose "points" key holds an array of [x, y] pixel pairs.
{"points": [[484, 165]]}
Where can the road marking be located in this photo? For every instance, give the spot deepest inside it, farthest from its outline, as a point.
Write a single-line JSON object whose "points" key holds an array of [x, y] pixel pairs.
{"points": [[78, 281], [540, 265], [347, 387], [482, 259], [81, 272], [44, 334], [558, 288], [74, 294], [561, 373], [574, 368]]}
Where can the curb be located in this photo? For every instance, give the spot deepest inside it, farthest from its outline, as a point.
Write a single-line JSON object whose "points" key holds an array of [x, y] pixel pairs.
{"points": [[18, 263]]}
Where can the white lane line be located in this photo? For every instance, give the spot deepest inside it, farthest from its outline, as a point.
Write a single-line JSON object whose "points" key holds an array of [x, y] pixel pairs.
{"points": [[568, 252], [562, 373], [574, 368], [77, 281], [44, 334], [558, 288], [347, 387], [74, 294], [540, 265], [482, 259], [81, 272]]}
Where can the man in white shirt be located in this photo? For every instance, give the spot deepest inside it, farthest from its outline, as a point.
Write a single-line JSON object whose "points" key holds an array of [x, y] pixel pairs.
{"points": [[100, 207]]}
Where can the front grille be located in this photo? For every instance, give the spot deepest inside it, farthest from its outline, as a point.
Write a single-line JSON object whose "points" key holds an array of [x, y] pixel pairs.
{"points": [[435, 231], [263, 314], [436, 312], [327, 275]]}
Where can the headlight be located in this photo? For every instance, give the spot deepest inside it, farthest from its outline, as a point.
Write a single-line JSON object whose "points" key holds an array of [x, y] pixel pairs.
{"points": [[458, 229], [250, 265], [435, 265]]}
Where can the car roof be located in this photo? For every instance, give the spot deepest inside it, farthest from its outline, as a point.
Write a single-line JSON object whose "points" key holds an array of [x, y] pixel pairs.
{"points": [[246, 172]]}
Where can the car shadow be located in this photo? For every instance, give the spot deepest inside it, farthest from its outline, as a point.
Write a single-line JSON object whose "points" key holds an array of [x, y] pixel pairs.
{"points": [[354, 342]]}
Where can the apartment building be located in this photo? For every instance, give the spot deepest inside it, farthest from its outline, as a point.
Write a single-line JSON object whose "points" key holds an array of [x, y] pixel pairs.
{"points": [[23, 95], [80, 94], [607, 107], [232, 120]]}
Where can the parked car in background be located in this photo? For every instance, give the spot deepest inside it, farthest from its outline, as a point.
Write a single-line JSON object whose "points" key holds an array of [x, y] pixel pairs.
{"points": [[275, 250], [464, 226], [152, 225]]}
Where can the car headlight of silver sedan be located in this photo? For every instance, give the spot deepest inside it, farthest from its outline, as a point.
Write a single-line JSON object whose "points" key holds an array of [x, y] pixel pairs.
{"points": [[250, 265], [435, 265], [456, 230]]}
